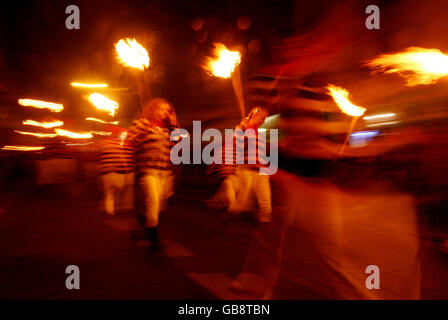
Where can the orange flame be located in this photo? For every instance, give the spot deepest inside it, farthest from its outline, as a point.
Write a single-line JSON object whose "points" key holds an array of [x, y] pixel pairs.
{"points": [[224, 61], [132, 54], [74, 135], [103, 103], [340, 97], [51, 124], [55, 107], [416, 65], [22, 148], [102, 121], [40, 135]]}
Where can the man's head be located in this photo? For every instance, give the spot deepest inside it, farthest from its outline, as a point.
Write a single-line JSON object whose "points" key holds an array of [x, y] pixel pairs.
{"points": [[160, 112]]}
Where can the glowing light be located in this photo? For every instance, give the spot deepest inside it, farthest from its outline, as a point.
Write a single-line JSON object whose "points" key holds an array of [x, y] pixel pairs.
{"points": [[22, 148], [224, 61], [417, 65], [103, 103], [132, 54], [51, 124], [102, 121], [101, 133], [36, 134], [340, 97], [379, 116], [89, 85], [55, 107], [74, 135], [382, 124]]}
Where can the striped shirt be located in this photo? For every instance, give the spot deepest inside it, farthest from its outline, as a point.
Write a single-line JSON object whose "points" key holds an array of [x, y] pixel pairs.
{"points": [[116, 156], [152, 145], [248, 148]]}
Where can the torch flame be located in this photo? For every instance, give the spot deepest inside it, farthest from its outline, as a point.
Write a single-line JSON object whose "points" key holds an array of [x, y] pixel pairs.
{"points": [[340, 96], [416, 65], [55, 107], [51, 124], [22, 148], [132, 54], [74, 135], [224, 61], [103, 103], [40, 135]]}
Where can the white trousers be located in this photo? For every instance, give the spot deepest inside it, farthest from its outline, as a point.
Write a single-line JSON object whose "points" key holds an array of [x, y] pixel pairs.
{"points": [[158, 187], [118, 191], [252, 182]]}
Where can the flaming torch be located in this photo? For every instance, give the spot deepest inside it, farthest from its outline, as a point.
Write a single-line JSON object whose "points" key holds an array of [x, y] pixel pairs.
{"points": [[340, 97], [225, 64], [416, 65], [102, 103], [132, 54]]}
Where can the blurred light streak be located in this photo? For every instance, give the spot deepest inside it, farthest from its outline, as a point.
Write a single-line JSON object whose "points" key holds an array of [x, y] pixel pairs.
{"points": [[382, 124], [40, 135], [74, 135], [379, 116], [87, 85], [52, 124], [55, 107], [22, 148], [102, 121]]}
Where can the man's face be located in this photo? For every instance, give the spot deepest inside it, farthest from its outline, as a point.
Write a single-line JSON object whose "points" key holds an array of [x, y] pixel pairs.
{"points": [[162, 112]]}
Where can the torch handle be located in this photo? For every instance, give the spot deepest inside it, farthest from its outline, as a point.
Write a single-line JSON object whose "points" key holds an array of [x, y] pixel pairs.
{"points": [[144, 91], [238, 89], [350, 129]]}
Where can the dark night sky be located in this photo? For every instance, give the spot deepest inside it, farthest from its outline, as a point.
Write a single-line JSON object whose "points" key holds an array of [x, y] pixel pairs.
{"points": [[40, 57]]}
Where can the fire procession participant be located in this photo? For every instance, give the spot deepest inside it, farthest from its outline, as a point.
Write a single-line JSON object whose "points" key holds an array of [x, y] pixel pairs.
{"points": [[241, 179], [150, 137], [117, 167]]}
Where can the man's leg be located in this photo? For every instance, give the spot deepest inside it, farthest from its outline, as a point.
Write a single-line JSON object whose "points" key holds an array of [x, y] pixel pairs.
{"points": [[109, 190], [262, 189], [128, 192], [245, 184], [150, 184]]}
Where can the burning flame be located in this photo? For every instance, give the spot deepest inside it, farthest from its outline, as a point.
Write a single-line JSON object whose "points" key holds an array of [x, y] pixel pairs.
{"points": [[102, 103], [340, 96], [55, 107], [416, 65], [52, 124], [132, 54], [74, 135], [87, 85], [224, 62], [22, 148], [102, 121], [40, 135]]}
